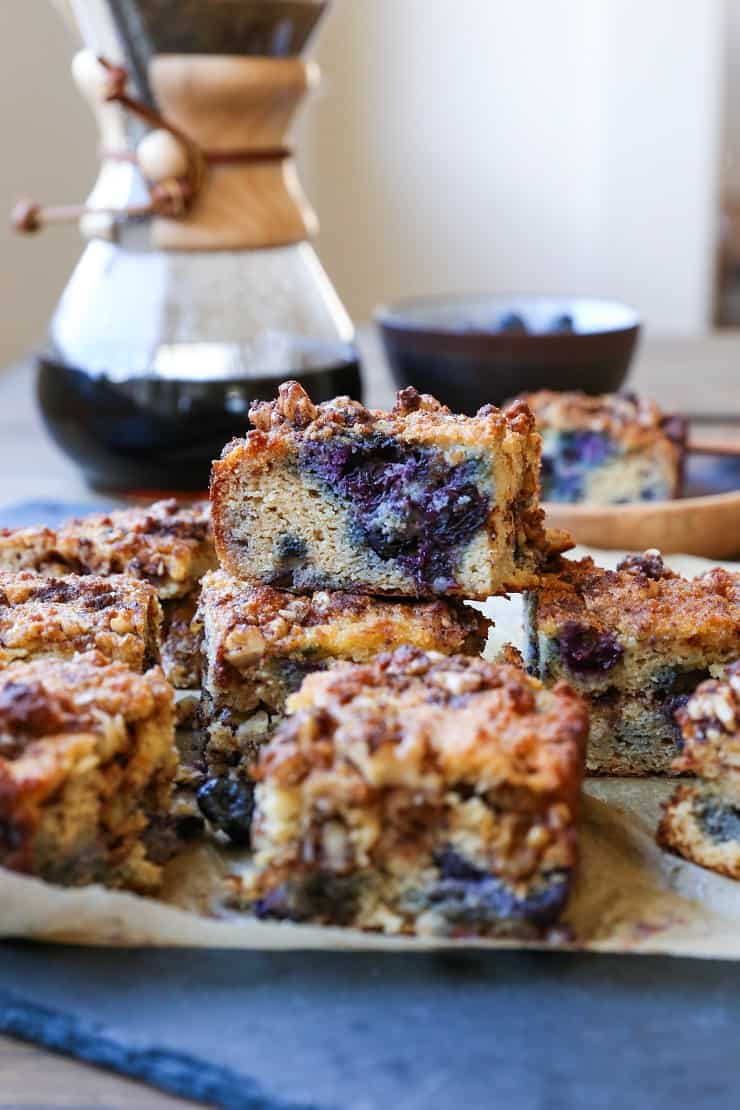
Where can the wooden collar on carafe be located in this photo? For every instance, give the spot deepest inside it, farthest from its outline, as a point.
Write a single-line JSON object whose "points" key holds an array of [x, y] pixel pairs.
{"points": [[217, 168]]}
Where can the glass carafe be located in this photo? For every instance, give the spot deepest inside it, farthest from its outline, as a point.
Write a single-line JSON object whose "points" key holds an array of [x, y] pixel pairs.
{"points": [[174, 322]]}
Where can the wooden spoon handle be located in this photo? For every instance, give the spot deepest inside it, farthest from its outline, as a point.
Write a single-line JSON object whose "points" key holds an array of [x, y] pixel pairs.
{"points": [[729, 447]]}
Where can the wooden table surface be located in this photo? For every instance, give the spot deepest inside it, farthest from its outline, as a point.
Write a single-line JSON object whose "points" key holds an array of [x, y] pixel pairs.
{"points": [[700, 377], [31, 1079]]}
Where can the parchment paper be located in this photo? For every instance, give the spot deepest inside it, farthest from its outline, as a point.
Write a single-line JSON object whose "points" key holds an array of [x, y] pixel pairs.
{"points": [[630, 896]]}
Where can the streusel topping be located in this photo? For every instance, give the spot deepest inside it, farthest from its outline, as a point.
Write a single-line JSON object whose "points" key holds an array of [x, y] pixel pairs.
{"points": [[633, 603], [413, 715], [49, 697]]}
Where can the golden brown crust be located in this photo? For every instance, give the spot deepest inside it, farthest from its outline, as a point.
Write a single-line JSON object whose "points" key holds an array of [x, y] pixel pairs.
{"points": [[457, 719], [165, 544], [43, 617], [251, 621], [414, 416], [46, 697], [704, 611], [279, 424], [633, 421]]}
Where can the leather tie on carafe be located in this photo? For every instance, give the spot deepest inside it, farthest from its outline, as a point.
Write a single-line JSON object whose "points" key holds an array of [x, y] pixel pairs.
{"points": [[171, 194]]}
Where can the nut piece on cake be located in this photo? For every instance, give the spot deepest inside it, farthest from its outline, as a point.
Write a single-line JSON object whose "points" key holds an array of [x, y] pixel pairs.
{"points": [[701, 822], [165, 544], [415, 502], [635, 642], [420, 793], [607, 450], [260, 643], [87, 762], [61, 617]]}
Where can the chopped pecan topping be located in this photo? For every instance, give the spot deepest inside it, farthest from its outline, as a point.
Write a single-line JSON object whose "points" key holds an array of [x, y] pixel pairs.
{"points": [[27, 708], [521, 417]]}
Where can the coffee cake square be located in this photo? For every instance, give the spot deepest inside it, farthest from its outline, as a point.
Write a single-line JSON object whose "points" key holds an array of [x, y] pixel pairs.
{"points": [[635, 643], [415, 502], [420, 793], [166, 544], [607, 450]]}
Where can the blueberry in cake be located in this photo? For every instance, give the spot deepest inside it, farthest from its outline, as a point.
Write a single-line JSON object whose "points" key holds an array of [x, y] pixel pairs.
{"points": [[414, 502], [701, 822], [421, 794], [87, 763], [635, 642], [607, 450], [168, 545], [59, 617], [259, 644]]}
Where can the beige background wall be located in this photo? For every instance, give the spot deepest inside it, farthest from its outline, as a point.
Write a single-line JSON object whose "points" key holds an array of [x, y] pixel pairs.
{"points": [[564, 145], [551, 144], [47, 151]]}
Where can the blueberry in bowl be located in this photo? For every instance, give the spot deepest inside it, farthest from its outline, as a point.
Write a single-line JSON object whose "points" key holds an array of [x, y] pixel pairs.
{"points": [[474, 350]]}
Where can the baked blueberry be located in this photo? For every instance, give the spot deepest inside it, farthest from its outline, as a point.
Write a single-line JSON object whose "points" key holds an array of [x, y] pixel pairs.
{"points": [[228, 804], [587, 650]]}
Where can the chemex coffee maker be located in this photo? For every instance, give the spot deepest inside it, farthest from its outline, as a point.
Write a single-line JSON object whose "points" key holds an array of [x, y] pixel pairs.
{"points": [[198, 290]]}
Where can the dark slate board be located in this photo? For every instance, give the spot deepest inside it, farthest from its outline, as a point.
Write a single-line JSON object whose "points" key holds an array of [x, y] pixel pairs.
{"points": [[525, 1031]]}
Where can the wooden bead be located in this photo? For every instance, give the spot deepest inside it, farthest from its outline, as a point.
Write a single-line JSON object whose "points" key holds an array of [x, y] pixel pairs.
{"points": [[162, 157], [27, 217], [92, 78]]}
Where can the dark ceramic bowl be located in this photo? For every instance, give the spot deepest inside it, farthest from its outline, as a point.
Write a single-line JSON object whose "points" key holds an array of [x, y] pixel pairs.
{"points": [[472, 351]]}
